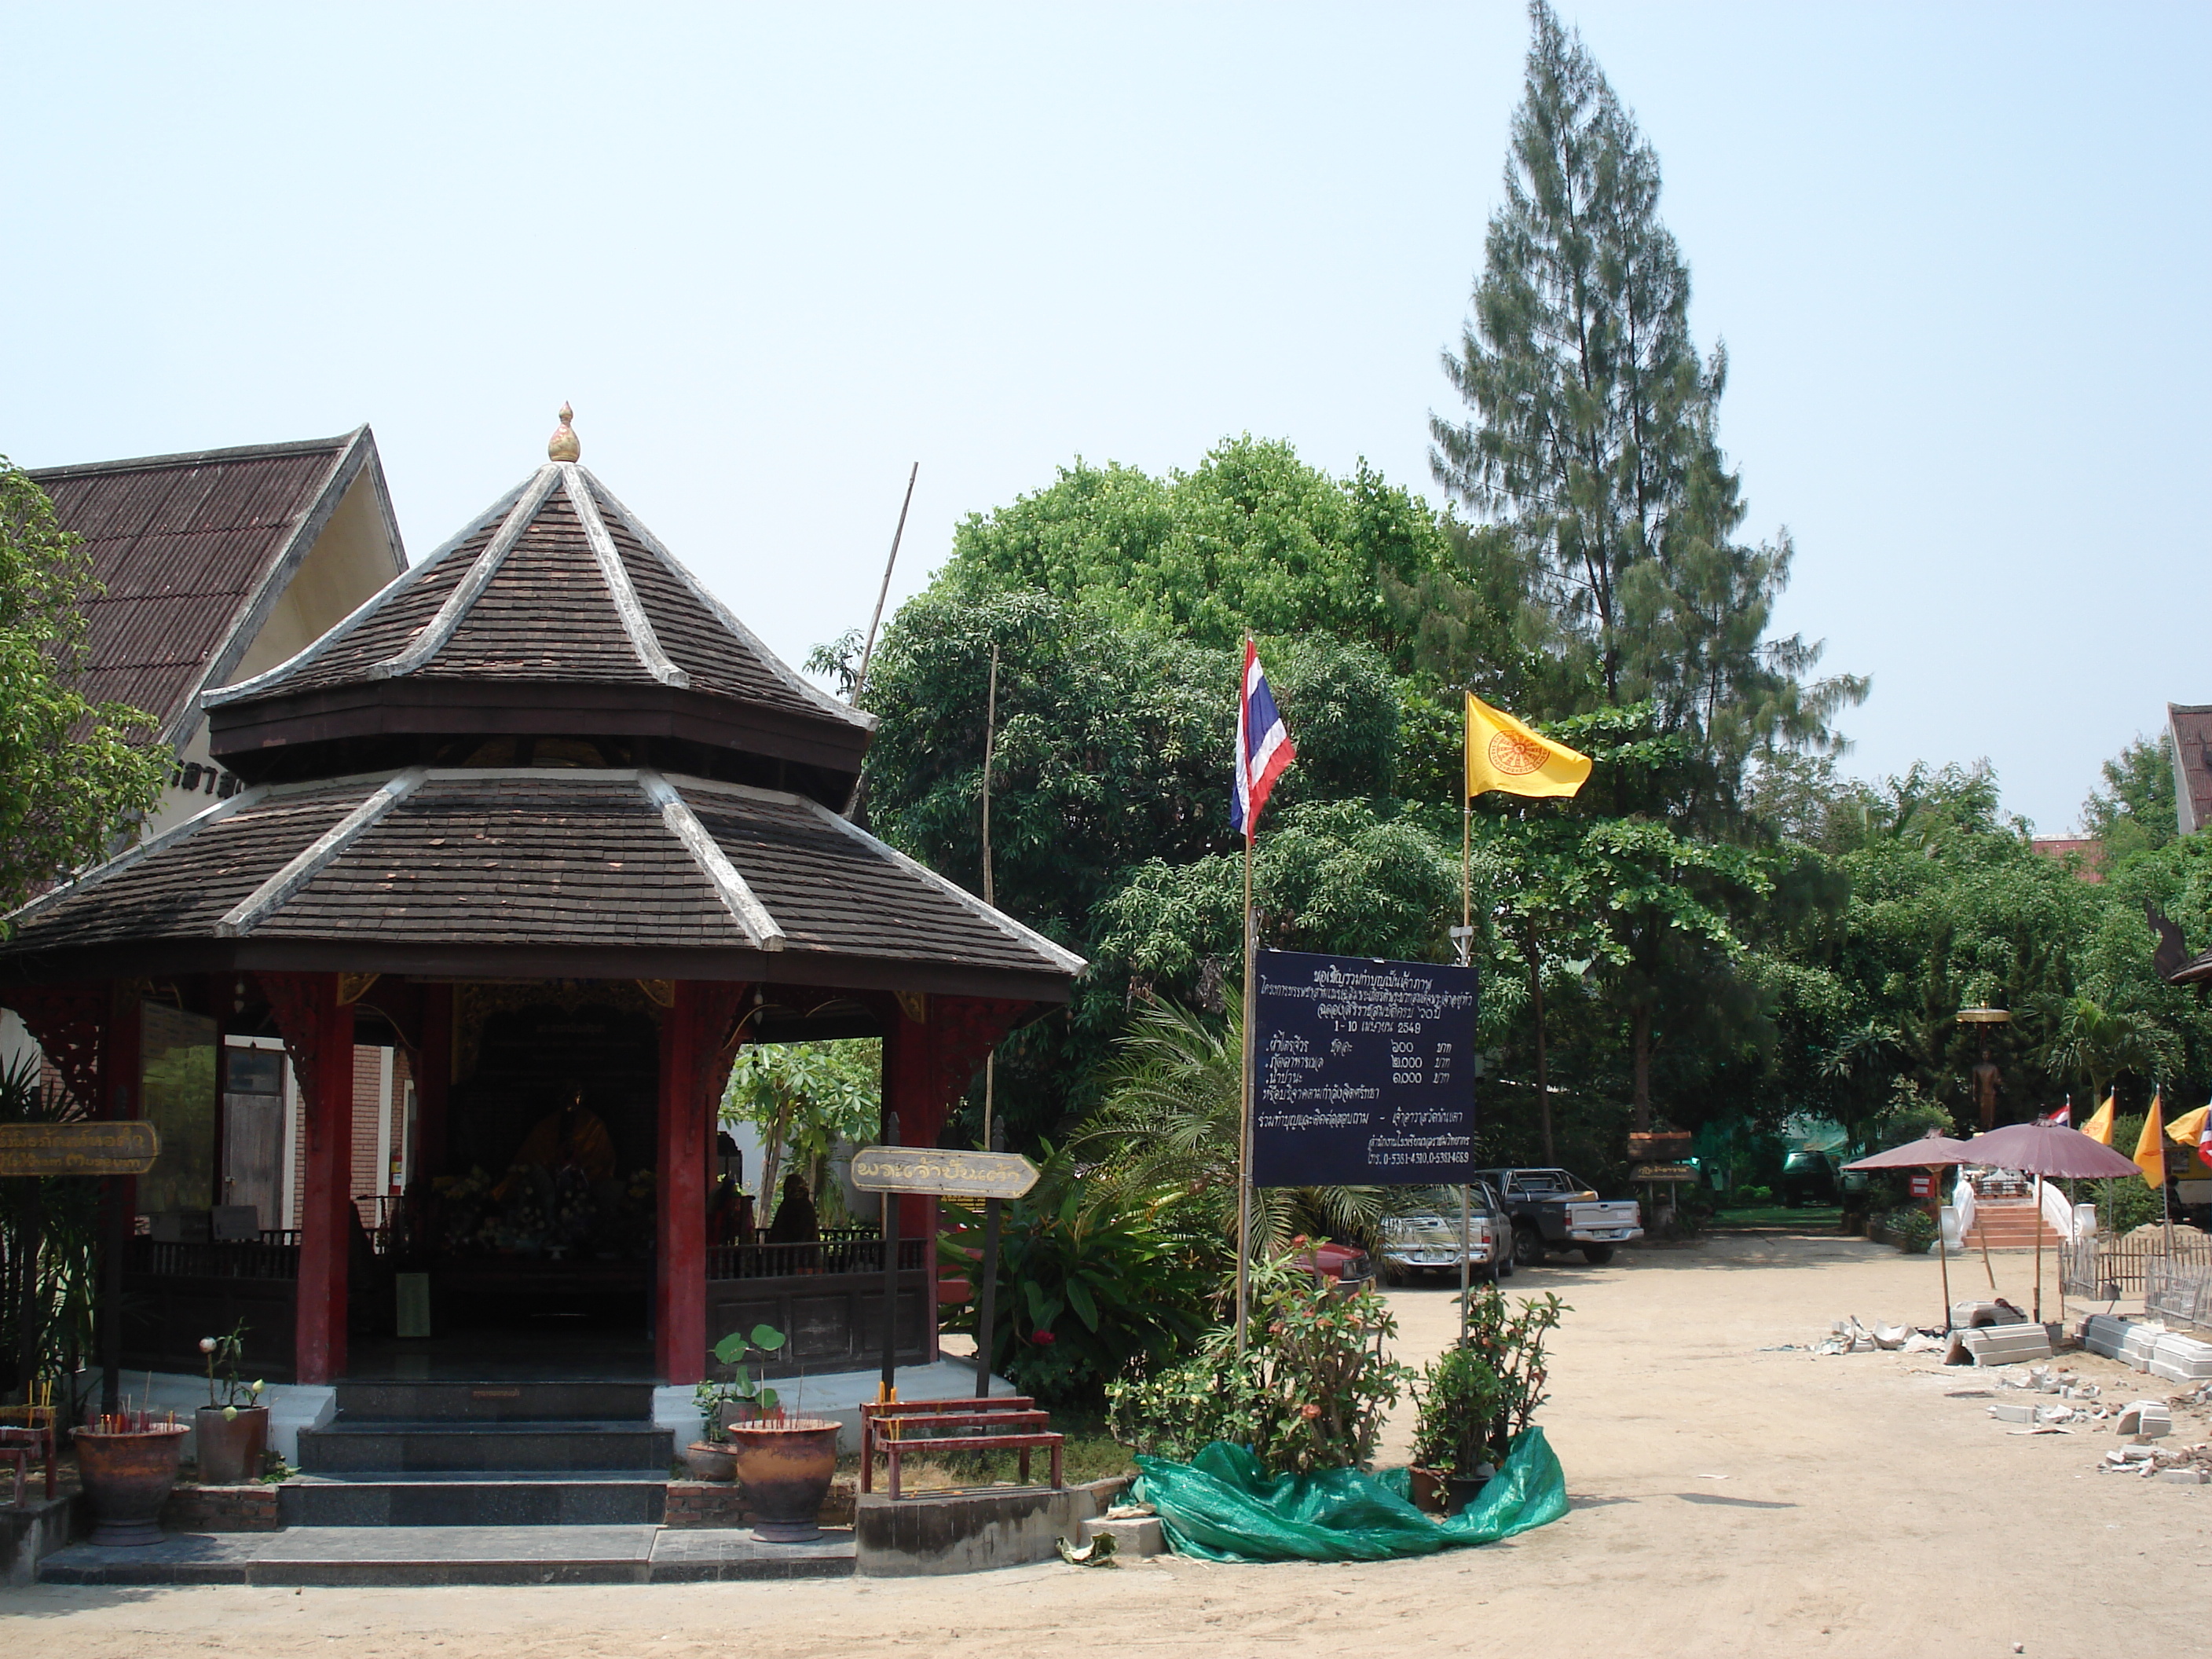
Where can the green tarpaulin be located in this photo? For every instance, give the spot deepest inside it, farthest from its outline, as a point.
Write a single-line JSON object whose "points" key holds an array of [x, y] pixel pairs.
{"points": [[1222, 1506]]}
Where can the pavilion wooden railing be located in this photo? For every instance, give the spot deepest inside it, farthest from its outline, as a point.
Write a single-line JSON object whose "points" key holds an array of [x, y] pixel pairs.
{"points": [[2175, 1289], [849, 1254], [237, 1258]]}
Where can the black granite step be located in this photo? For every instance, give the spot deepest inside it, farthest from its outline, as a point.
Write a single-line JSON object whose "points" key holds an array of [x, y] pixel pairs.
{"points": [[433, 1445], [494, 1401], [496, 1498], [381, 1556]]}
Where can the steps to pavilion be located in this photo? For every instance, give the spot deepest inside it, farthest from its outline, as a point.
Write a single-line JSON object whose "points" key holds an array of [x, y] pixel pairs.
{"points": [[2010, 1224], [491, 1454]]}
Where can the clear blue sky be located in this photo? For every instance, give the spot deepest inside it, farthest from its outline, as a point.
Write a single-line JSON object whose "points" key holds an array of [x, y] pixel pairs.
{"points": [[774, 255]]}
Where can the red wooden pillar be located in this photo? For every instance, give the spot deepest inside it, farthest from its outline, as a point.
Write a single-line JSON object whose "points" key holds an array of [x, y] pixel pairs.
{"points": [[913, 1088], [121, 1072], [325, 1230], [679, 1314]]}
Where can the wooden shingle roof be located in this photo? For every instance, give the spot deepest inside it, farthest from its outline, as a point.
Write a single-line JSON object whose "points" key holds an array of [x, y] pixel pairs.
{"points": [[545, 872], [556, 605]]}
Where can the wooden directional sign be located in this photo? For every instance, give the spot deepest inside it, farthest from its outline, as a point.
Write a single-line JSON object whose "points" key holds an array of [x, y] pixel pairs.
{"points": [[949, 1175], [128, 1148]]}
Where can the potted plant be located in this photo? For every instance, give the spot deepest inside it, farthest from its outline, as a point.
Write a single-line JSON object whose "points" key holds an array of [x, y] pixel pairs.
{"points": [[232, 1430], [711, 1458], [785, 1464], [1458, 1400], [127, 1463]]}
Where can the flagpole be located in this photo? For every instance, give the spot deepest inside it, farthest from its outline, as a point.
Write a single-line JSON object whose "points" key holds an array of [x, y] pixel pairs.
{"points": [[1466, 959], [1244, 1114]]}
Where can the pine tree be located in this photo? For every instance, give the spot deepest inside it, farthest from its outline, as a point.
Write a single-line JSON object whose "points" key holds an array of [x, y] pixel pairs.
{"points": [[1591, 450]]}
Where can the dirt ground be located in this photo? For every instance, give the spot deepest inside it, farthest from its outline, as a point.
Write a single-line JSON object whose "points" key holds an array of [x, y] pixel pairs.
{"points": [[1731, 1495]]}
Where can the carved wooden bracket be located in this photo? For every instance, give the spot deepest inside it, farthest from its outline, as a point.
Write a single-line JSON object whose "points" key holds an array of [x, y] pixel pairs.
{"points": [[68, 1021]]}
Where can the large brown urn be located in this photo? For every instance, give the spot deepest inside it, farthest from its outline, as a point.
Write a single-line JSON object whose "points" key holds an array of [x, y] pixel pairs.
{"points": [[785, 1469], [127, 1476]]}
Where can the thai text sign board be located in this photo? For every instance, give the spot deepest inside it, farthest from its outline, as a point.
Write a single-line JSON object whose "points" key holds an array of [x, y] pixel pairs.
{"points": [[105, 1148], [1362, 1072], [948, 1174]]}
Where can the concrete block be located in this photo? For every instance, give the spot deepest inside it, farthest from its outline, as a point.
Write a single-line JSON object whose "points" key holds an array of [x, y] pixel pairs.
{"points": [[2183, 1477], [1973, 1316], [2147, 1418], [1139, 1536], [973, 1530], [2181, 1358], [30, 1534], [1998, 1346], [2008, 1410]]}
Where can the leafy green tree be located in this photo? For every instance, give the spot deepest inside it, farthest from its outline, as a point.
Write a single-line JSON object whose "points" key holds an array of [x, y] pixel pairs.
{"points": [[1591, 453], [1252, 541], [75, 776], [2133, 812], [804, 1098]]}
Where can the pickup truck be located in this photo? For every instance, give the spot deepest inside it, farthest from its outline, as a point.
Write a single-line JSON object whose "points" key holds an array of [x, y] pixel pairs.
{"points": [[1427, 1240], [1552, 1210]]}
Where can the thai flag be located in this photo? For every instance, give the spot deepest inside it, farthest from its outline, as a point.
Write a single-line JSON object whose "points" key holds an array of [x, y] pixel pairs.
{"points": [[1263, 747], [2063, 1117]]}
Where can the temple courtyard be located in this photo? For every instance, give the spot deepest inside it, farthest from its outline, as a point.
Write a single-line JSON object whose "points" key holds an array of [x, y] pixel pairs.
{"points": [[1732, 1494]]}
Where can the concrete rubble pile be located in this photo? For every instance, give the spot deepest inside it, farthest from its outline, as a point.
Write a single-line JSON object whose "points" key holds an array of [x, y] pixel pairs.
{"points": [[1847, 1335]]}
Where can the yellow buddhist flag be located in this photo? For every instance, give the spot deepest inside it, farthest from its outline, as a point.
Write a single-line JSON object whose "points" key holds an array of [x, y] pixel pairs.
{"points": [[2099, 1127], [2150, 1146], [1503, 754], [2189, 1127]]}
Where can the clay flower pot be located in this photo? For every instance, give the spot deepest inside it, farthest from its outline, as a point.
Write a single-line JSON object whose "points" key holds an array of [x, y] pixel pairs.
{"points": [[127, 1477], [230, 1448], [707, 1460], [785, 1469]]}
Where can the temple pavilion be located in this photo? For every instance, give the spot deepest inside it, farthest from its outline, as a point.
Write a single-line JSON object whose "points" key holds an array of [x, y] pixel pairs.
{"points": [[545, 819]]}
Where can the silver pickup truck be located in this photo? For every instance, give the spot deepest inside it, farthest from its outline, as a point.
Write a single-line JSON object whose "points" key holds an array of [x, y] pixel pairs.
{"points": [[1551, 1210], [1427, 1240]]}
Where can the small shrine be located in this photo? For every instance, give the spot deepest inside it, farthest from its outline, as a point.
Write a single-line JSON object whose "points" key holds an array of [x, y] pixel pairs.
{"points": [[545, 820]]}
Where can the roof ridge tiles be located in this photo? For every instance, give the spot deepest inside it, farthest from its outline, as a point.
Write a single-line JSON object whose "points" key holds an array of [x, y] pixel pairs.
{"points": [[998, 918], [721, 613], [628, 607], [304, 865], [136, 853], [736, 895], [272, 679], [434, 634]]}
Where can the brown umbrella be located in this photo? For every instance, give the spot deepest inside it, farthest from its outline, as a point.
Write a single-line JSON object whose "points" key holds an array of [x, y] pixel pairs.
{"points": [[1932, 1151], [2047, 1149]]}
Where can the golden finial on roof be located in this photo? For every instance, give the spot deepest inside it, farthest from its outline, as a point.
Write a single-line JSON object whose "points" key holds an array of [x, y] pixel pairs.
{"points": [[563, 444]]}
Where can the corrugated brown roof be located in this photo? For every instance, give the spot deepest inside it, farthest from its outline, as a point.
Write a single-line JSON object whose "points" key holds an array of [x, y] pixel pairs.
{"points": [[182, 542], [2190, 726]]}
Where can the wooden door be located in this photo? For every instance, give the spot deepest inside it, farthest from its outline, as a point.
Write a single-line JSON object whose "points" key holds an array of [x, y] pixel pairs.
{"points": [[253, 1132]]}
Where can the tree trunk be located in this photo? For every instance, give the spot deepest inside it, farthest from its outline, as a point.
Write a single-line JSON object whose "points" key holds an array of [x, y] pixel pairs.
{"points": [[1543, 1070], [1640, 1024]]}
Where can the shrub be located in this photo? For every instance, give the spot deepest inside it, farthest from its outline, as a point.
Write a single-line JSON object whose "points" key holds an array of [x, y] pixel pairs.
{"points": [[1085, 1289], [1512, 1345], [1460, 1396], [1909, 1230], [1309, 1393]]}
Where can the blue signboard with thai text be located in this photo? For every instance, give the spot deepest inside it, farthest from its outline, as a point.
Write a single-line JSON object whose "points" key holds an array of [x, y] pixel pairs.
{"points": [[1362, 1072]]}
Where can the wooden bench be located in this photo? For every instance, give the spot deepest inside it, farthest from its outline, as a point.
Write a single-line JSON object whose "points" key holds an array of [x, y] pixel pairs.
{"points": [[1006, 1423], [23, 1446]]}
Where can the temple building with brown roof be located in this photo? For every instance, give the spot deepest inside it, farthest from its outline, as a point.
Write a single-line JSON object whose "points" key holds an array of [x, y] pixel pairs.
{"points": [[546, 818]]}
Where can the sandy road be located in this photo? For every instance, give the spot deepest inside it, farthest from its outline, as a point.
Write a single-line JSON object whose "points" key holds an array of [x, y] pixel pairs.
{"points": [[1728, 1498]]}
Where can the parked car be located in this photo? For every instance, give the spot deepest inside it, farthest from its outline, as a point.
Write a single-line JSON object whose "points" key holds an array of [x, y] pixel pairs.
{"points": [[1808, 1177], [1427, 1240], [1341, 1264], [1551, 1209]]}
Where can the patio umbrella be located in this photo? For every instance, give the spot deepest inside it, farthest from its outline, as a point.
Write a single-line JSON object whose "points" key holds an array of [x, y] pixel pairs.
{"points": [[2047, 1149], [1932, 1151]]}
